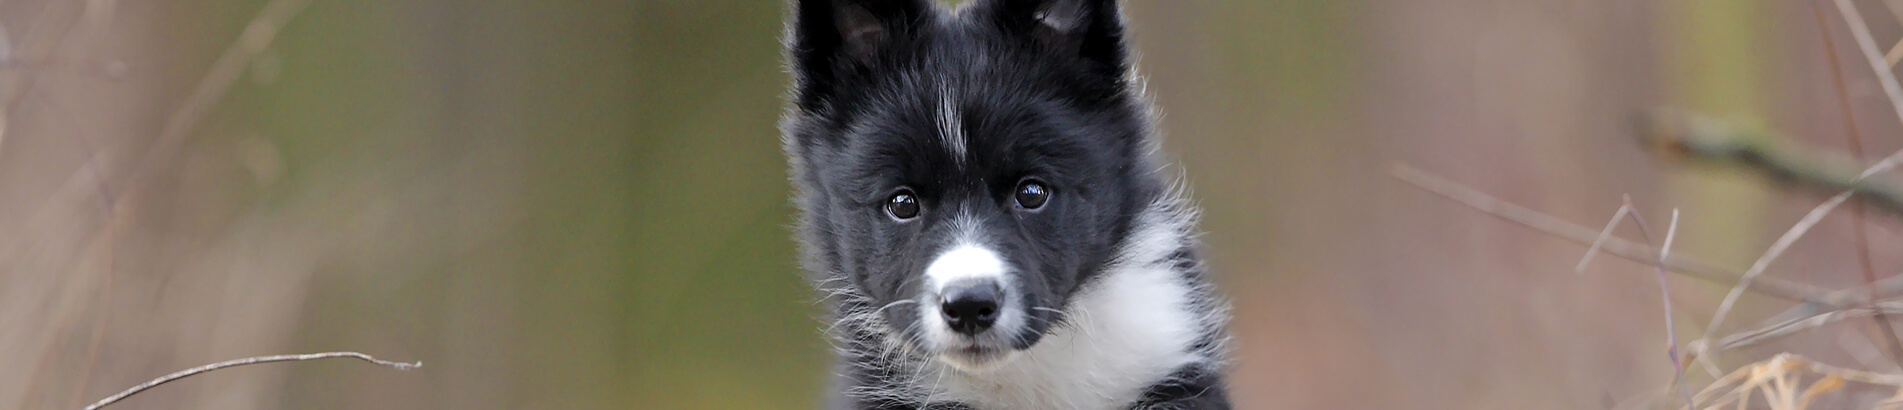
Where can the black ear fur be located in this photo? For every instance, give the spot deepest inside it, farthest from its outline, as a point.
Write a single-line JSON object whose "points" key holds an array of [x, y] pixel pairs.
{"points": [[1090, 31], [831, 39]]}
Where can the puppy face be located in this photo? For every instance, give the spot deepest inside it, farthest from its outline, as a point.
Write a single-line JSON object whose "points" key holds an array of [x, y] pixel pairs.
{"points": [[964, 173]]}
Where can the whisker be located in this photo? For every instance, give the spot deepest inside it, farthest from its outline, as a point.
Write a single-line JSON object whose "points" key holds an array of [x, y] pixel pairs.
{"points": [[1061, 315], [889, 305], [934, 389]]}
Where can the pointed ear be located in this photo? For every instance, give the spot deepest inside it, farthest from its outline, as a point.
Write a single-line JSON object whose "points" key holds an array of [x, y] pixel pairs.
{"points": [[828, 39], [1087, 30]]}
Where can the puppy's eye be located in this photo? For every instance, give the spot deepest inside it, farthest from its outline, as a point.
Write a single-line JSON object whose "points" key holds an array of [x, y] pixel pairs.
{"points": [[902, 205], [1032, 194]]}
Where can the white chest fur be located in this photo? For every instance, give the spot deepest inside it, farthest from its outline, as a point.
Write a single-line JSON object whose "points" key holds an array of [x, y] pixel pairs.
{"points": [[1126, 332]]}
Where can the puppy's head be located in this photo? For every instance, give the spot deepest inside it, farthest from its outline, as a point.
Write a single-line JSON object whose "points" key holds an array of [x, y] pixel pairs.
{"points": [[964, 172]]}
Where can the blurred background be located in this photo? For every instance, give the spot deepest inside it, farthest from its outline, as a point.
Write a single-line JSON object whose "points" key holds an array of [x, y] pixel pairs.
{"points": [[583, 204]]}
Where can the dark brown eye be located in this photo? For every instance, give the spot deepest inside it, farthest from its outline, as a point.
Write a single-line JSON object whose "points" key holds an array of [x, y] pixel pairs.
{"points": [[1032, 194], [902, 205]]}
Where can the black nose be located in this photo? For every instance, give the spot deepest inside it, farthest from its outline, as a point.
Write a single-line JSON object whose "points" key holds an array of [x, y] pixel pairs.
{"points": [[971, 307]]}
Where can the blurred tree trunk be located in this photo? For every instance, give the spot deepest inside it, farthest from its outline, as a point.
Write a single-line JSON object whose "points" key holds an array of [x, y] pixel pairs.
{"points": [[1723, 51]]}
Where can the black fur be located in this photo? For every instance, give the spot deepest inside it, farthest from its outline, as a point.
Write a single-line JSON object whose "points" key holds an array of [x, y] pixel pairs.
{"points": [[1041, 91]]}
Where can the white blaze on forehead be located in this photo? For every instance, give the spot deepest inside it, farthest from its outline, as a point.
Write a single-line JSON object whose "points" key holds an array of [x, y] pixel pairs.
{"points": [[950, 127], [964, 262]]}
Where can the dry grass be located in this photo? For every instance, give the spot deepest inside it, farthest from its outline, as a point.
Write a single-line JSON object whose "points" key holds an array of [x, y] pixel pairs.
{"points": [[1785, 381], [1790, 382]]}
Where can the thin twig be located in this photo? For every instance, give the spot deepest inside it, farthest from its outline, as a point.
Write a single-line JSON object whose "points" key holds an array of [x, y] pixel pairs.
{"points": [[1855, 138], [1711, 140], [1787, 327], [246, 361], [1627, 211], [1848, 298], [1665, 294], [1784, 242], [1603, 235], [1665, 291], [227, 70], [1868, 46], [1562, 229], [1706, 138], [1764, 261]]}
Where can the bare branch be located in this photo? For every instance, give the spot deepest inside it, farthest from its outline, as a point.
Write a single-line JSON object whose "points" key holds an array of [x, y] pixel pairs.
{"points": [[1665, 294], [1556, 227], [1603, 234], [1706, 139], [246, 361], [1787, 327], [1868, 45], [1665, 291], [1764, 261], [1778, 247], [1709, 139], [1855, 139], [1627, 211]]}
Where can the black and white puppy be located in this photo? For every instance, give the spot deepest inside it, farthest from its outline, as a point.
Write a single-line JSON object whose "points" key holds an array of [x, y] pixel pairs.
{"points": [[983, 202]]}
